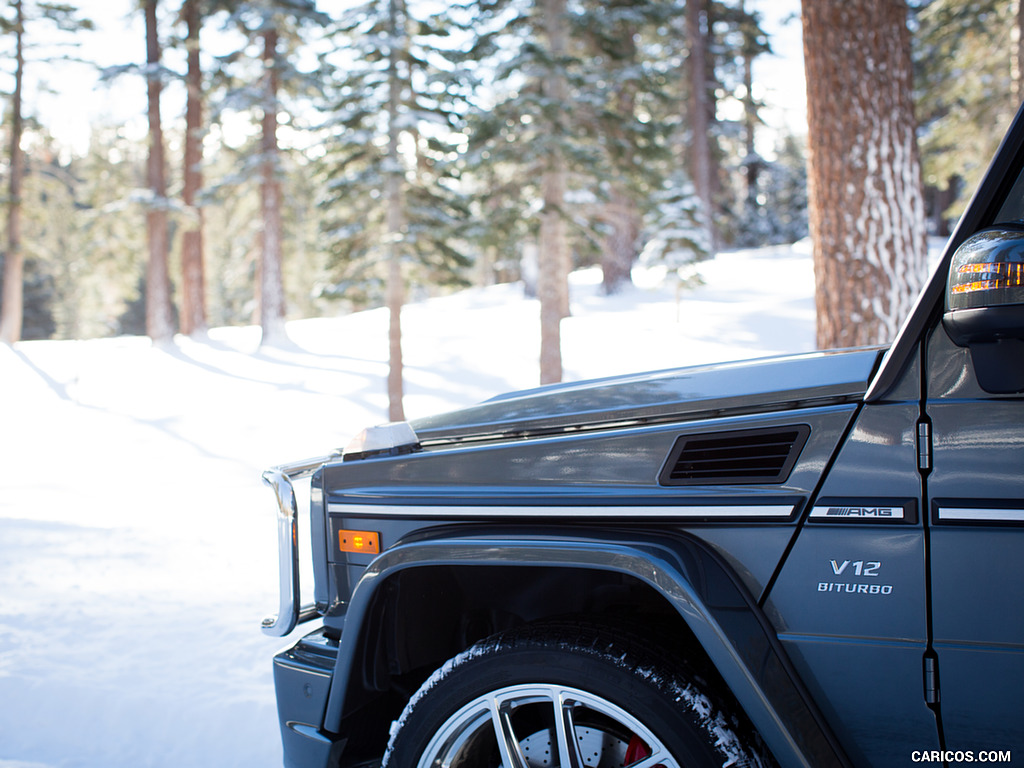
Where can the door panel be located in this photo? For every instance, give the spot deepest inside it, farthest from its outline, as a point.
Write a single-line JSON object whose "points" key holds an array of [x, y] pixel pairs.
{"points": [[850, 601], [976, 504]]}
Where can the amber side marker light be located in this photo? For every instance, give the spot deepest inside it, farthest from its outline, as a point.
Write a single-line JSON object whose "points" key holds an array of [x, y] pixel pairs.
{"points": [[991, 276], [359, 542]]}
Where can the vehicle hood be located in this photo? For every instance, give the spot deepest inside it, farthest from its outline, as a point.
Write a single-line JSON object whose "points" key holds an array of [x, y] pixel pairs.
{"points": [[752, 386]]}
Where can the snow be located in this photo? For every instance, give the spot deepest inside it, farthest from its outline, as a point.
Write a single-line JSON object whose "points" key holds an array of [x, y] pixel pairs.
{"points": [[137, 543]]}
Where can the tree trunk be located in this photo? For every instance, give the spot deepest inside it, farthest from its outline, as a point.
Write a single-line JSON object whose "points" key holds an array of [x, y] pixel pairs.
{"points": [[866, 203], [193, 295], [1017, 56], [395, 223], [272, 304], [619, 246], [552, 283], [751, 161], [159, 314], [554, 257], [12, 302], [699, 116]]}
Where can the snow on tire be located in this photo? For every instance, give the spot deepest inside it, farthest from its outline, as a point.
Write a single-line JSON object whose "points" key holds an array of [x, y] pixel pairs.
{"points": [[572, 697]]}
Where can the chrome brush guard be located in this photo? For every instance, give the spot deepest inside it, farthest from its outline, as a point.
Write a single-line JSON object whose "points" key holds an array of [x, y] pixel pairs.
{"points": [[291, 612]]}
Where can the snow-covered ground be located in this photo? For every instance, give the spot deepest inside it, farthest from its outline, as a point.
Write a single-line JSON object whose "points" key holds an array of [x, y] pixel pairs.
{"points": [[137, 544]]}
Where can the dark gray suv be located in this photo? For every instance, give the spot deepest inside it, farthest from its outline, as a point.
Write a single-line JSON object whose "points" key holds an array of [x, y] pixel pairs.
{"points": [[808, 561]]}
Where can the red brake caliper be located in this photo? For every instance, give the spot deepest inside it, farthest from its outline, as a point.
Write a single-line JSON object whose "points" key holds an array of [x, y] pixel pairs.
{"points": [[636, 751]]}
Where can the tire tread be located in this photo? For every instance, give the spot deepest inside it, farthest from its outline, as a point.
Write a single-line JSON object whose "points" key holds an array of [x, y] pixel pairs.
{"points": [[645, 659]]}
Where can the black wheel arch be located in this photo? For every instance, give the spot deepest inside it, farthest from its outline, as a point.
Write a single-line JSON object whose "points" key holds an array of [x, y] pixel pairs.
{"points": [[424, 601]]}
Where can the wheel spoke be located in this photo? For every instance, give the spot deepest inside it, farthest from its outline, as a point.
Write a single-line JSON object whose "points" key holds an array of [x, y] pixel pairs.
{"points": [[554, 724], [508, 745], [565, 731]]}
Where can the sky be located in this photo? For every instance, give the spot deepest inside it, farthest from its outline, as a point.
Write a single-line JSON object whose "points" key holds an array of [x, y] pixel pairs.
{"points": [[782, 73], [73, 98]]}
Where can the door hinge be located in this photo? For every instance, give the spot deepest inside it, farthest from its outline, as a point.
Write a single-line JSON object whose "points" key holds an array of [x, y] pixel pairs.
{"points": [[924, 445], [931, 678]]}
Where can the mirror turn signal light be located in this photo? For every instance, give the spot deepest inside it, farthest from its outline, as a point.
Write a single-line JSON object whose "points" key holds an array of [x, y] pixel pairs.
{"points": [[359, 542], [988, 276]]}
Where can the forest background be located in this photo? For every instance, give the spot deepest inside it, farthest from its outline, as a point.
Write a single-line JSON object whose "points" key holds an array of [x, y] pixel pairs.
{"points": [[301, 159]]}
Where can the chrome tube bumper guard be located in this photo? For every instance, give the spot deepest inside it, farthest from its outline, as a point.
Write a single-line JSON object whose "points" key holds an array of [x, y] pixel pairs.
{"points": [[290, 612]]}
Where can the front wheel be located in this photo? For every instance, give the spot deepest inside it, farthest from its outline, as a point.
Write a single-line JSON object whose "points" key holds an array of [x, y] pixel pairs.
{"points": [[566, 697]]}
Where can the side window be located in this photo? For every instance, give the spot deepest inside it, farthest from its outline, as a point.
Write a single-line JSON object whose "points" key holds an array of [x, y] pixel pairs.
{"points": [[1012, 209]]}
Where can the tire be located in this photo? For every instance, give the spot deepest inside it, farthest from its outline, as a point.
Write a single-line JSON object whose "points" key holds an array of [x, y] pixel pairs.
{"points": [[512, 700]]}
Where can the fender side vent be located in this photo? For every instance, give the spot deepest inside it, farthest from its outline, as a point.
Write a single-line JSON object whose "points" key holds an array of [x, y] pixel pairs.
{"points": [[728, 458]]}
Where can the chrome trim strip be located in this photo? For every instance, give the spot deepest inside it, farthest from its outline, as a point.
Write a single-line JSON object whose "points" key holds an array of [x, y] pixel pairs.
{"points": [[290, 612], [766, 511], [977, 514]]}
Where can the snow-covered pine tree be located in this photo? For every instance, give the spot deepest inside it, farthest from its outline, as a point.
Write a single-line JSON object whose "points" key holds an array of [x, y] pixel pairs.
{"points": [[678, 237], [526, 131], [12, 298], [193, 276], [702, 159], [392, 209], [963, 117], [273, 32], [159, 309], [737, 39], [18, 23], [627, 109]]}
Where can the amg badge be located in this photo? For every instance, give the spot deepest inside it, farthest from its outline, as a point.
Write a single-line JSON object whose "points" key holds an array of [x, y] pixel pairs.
{"points": [[857, 513]]}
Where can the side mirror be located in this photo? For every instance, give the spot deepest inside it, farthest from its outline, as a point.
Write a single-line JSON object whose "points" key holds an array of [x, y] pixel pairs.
{"points": [[985, 306]]}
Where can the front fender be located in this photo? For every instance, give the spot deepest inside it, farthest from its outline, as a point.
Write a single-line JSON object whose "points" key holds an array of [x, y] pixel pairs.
{"points": [[688, 575]]}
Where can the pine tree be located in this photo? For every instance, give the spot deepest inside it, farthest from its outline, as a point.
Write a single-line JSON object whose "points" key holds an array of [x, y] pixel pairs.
{"points": [[528, 126], [700, 115], [271, 290], [159, 311], [233, 233], [11, 303], [595, 111], [678, 236], [553, 255], [775, 210], [56, 285], [392, 207], [963, 118], [65, 19], [738, 40], [193, 283], [105, 268], [722, 42], [273, 32], [628, 86]]}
